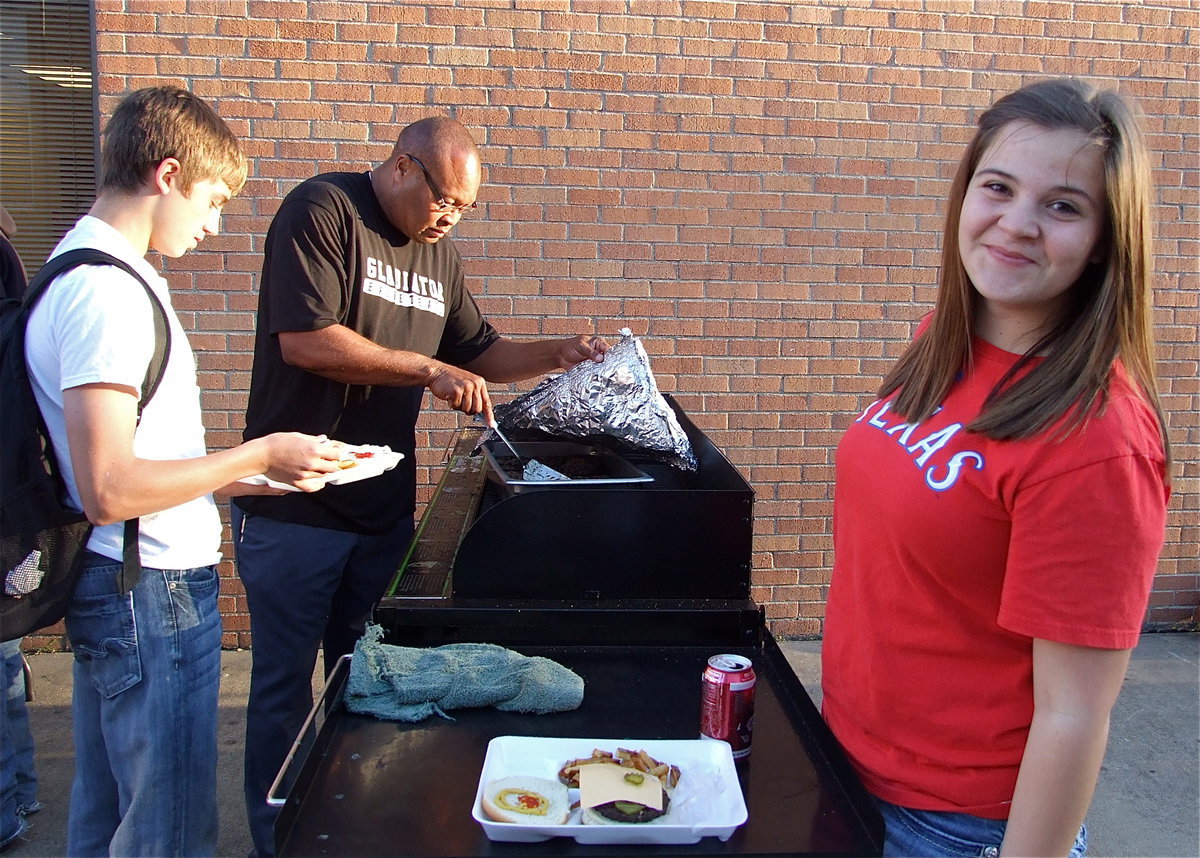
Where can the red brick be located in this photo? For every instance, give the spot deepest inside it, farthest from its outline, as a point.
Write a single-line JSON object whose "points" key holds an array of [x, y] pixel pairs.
{"points": [[756, 189]]}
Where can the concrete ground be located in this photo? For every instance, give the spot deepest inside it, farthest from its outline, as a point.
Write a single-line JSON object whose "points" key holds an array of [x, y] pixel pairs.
{"points": [[1147, 802]]}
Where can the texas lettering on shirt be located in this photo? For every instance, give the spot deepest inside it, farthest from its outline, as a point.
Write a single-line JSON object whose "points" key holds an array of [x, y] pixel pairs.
{"points": [[941, 473], [404, 288]]}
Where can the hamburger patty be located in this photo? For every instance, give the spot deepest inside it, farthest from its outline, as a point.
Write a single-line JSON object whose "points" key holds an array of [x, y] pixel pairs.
{"points": [[623, 811]]}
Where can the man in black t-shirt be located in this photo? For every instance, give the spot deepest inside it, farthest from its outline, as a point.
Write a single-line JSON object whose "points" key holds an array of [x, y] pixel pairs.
{"points": [[362, 308]]}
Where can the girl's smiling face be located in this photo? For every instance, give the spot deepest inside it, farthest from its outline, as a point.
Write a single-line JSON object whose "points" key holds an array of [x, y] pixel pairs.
{"points": [[1031, 221]]}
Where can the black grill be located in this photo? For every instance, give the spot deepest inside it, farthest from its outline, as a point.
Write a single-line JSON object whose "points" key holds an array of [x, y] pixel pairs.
{"points": [[677, 548]]}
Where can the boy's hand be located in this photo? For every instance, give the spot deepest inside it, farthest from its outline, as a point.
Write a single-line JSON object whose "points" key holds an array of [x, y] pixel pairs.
{"points": [[300, 460]]}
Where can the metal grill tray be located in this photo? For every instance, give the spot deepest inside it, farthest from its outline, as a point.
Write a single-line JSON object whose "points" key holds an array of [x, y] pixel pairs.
{"points": [[620, 472], [381, 788]]}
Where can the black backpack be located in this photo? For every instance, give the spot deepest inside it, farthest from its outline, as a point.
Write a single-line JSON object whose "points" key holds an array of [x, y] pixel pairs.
{"points": [[42, 538]]}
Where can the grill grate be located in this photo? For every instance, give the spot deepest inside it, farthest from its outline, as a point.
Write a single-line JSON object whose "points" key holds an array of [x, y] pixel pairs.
{"points": [[426, 570]]}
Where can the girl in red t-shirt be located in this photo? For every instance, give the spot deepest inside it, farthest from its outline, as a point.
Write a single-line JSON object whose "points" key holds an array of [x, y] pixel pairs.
{"points": [[999, 510]]}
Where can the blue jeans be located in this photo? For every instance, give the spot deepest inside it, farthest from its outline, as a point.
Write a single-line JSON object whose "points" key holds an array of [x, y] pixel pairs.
{"points": [[18, 780], [306, 588], [934, 833], [146, 675]]}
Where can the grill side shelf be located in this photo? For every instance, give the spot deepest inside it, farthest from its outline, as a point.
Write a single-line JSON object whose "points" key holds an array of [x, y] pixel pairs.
{"points": [[372, 778], [425, 570]]}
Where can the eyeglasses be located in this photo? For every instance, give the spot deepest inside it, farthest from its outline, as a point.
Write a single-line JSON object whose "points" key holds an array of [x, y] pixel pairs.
{"points": [[439, 199]]}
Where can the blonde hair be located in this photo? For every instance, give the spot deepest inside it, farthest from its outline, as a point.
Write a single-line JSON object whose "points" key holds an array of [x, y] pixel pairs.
{"points": [[1111, 312], [160, 122]]}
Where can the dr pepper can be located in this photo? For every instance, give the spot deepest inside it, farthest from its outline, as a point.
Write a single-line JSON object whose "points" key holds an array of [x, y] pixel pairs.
{"points": [[727, 702]]}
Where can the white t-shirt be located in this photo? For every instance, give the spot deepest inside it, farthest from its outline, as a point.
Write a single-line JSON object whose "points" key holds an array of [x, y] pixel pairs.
{"points": [[95, 324]]}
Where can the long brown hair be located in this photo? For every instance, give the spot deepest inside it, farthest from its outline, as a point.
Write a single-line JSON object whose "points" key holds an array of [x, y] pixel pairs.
{"points": [[1110, 316]]}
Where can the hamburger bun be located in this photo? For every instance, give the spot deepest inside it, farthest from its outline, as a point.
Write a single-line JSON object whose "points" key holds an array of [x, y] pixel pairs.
{"points": [[526, 800]]}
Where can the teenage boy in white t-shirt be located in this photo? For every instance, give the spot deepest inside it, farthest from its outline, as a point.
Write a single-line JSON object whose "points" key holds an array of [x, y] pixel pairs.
{"points": [[147, 663]]}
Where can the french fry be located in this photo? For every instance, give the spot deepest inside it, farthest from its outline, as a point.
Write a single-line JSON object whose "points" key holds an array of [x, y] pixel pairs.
{"points": [[639, 760], [569, 773]]}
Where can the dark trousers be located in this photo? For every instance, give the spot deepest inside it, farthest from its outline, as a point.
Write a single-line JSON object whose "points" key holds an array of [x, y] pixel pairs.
{"points": [[306, 587]]}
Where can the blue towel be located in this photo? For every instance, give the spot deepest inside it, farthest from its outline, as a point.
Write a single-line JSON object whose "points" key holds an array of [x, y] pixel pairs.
{"points": [[397, 683]]}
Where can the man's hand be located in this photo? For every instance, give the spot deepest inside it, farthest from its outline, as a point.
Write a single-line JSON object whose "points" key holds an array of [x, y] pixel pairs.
{"points": [[578, 349], [462, 390]]}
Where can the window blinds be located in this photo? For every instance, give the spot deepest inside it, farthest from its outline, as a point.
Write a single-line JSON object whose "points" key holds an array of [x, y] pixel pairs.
{"points": [[47, 120]]}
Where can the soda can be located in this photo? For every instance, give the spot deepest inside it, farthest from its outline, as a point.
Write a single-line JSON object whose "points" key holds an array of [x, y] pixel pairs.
{"points": [[727, 702]]}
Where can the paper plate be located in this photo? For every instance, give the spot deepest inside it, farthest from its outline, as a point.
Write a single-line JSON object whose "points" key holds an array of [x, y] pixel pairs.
{"points": [[708, 801], [369, 461]]}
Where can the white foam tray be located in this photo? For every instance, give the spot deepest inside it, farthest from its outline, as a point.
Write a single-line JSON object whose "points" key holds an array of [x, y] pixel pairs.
{"points": [[707, 802]]}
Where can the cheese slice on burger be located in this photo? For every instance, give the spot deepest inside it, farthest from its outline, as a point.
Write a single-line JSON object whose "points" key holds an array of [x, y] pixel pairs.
{"points": [[602, 784]]}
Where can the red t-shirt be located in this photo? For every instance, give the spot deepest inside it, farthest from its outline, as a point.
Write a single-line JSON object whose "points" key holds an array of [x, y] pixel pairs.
{"points": [[952, 553]]}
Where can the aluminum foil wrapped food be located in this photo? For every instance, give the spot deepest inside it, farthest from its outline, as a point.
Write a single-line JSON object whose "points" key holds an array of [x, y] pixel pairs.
{"points": [[616, 399]]}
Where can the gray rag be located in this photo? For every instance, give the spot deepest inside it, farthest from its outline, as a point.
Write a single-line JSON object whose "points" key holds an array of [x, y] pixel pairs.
{"points": [[397, 683]]}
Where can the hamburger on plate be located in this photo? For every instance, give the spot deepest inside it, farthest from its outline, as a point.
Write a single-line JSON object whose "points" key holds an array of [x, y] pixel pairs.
{"points": [[616, 795]]}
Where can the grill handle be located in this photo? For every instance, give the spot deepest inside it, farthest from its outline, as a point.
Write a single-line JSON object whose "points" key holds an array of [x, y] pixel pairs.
{"points": [[277, 795]]}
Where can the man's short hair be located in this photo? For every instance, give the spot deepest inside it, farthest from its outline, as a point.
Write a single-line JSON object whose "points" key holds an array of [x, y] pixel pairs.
{"points": [[435, 136], [160, 122]]}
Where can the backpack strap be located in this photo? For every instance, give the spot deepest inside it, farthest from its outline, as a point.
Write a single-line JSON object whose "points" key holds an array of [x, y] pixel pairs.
{"points": [[131, 566], [64, 262]]}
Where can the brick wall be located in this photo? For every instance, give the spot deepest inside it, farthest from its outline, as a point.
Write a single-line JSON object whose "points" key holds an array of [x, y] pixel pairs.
{"points": [[755, 188]]}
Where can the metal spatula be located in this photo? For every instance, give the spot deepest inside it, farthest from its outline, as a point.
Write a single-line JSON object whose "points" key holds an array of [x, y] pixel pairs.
{"points": [[533, 471]]}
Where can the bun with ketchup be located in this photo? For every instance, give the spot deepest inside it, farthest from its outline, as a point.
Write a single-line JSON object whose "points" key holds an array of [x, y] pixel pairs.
{"points": [[526, 800]]}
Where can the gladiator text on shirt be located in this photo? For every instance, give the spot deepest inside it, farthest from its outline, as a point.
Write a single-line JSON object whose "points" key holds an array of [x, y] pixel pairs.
{"points": [[404, 288], [938, 476]]}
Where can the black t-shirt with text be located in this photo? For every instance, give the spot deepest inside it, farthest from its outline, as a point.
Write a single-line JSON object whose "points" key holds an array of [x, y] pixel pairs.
{"points": [[332, 257]]}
